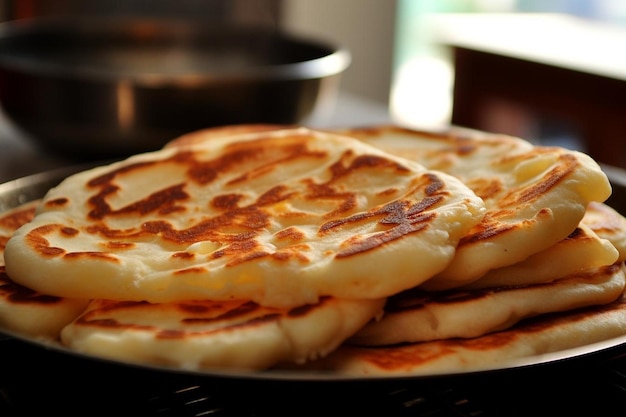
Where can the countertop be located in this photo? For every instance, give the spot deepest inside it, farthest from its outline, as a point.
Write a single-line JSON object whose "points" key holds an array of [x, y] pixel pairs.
{"points": [[555, 39]]}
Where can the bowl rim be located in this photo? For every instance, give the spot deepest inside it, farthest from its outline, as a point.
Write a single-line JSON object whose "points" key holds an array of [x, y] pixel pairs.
{"points": [[335, 60]]}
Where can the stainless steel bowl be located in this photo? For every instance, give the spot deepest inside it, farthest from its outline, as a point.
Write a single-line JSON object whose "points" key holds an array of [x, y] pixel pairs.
{"points": [[109, 87]]}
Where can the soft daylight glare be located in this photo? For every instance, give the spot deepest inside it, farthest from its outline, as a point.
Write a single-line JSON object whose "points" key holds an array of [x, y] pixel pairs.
{"points": [[422, 92]]}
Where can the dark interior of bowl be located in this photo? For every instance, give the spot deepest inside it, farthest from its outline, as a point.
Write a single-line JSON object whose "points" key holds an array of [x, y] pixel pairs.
{"points": [[103, 88], [154, 47]]}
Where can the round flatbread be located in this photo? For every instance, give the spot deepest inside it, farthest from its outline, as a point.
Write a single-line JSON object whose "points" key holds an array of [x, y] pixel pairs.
{"points": [[190, 335], [535, 196], [12, 219], [607, 223], [30, 313], [527, 341], [418, 316], [582, 250], [22, 310], [278, 218], [196, 335]]}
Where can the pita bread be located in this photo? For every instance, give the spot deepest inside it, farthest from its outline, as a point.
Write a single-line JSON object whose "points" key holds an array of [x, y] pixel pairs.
{"points": [[582, 250], [475, 157], [12, 219], [535, 196], [530, 339], [197, 335], [609, 224], [277, 218], [27, 312], [200, 334], [23, 310], [418, 316], [504, 295]]}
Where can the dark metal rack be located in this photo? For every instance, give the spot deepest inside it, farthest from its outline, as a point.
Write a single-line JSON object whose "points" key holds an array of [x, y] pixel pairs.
{"points": [[37, 381]]}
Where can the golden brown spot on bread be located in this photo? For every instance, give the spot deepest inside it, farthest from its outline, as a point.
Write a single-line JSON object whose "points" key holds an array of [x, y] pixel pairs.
{"points": [[567, 163], [240, 153], [416, 299], [235, 229], [163, 202], [230, 311], [14, 220], [292, 148], [457, 141], [197, 308], [36, 240], [104, 256], [388, 192], [245, 256], [485, 188], [577, 233], [249, 323], [346, 201], [192, 270], [398, 211], [344, 166], [292, 252], [250, 313], [236, 247], [248, 220], [69, 231], [118, 245], [57, 202], [226, 315], [111, 234], [227, 201], [491, 225], [106, 178], [290, 233], [183, 255], [274, 195], [400, 218], [359, 245], [485, 230], [466, 148], [239, 225], [18, 294], [392, 358], [170, 334]]}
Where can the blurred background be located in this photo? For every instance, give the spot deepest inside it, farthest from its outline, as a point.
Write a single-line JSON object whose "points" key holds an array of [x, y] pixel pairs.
{"points": [[406, 57]]}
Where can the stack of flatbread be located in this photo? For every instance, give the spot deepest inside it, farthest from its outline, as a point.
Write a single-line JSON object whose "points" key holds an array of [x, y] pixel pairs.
{"points": [[361, 251]]}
